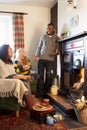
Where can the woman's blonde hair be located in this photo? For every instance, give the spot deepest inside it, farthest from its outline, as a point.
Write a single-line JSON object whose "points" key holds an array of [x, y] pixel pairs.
{"points": [[18, 51]]}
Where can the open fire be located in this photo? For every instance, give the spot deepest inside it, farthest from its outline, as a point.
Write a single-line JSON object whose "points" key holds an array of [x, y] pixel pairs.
{"points": [[82, 75], [77, 90]]}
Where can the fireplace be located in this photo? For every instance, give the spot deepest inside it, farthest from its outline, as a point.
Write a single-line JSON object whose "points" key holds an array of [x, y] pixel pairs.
{"points": [[73, 54], [72, 67]]}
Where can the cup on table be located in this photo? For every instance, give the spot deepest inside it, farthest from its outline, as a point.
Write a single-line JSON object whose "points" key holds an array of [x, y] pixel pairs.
{"points": [[50, 120], [46, 102]]}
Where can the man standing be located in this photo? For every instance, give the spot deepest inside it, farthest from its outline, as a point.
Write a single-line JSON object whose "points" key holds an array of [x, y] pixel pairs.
{"points": [[45, 53]]}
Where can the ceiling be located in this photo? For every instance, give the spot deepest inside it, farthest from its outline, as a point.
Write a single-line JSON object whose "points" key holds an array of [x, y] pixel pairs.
{"points": [[45, 3]]}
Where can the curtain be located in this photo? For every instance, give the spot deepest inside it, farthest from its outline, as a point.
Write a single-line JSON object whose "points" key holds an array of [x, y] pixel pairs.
{"points": [[18, 31]]}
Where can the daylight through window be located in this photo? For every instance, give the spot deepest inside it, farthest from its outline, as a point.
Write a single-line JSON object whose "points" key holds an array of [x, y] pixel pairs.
{"points": [[6, 30]]}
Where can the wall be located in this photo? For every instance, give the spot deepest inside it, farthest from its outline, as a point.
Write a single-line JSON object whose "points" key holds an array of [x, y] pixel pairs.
{"points": [[65, 13], [34, 25]]}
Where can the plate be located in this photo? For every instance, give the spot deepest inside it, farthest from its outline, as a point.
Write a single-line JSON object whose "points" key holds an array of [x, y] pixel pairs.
{"points": [[39, 107]]}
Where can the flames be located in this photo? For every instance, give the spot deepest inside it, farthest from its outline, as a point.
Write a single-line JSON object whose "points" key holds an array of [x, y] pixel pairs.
{"points": [[82, 75]]}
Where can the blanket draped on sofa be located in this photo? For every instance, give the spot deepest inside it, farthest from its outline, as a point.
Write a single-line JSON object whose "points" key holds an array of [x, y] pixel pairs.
{"points": [[12, 88]]}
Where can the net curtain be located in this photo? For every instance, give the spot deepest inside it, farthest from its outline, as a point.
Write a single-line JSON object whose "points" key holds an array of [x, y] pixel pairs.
{"points": [[18, 31]]}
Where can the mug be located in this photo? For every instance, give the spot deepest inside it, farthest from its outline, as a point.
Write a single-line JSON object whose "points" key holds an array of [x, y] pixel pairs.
{"points": [[50, 120], [46, 102]]}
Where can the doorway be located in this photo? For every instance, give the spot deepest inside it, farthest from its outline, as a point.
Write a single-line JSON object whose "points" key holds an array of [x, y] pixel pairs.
{"points": [[54, 16]]}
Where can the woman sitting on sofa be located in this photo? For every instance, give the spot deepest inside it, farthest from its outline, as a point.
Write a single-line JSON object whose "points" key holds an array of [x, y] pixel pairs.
{"points": [[22, 64], [7, 71]]}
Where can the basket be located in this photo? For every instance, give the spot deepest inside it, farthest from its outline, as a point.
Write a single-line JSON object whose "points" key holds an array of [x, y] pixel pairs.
{"points": [[81, 115]]}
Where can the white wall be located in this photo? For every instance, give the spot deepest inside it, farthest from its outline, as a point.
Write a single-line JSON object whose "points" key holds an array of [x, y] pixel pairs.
{"points": [[66, 13], [34, 25]]}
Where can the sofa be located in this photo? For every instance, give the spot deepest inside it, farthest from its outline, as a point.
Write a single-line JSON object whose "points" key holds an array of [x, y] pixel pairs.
{"points": [[33, 86], [11, 104], [11, 94]]}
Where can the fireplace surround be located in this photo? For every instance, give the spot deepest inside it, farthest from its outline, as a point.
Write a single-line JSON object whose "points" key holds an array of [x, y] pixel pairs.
{"points": [[73, 55]]}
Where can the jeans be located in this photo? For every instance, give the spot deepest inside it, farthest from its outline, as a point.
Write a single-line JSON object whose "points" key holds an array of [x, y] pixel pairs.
{"points": [[43, 85]]}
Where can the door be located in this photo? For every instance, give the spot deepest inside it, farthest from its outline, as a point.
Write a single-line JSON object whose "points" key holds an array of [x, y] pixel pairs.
{"points": [[54, 16]]}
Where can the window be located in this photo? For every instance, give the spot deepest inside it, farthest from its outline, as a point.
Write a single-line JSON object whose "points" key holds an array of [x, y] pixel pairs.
{"points": [[6, 30]]}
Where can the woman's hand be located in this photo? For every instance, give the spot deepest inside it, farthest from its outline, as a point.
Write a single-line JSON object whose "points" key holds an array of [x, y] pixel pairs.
{"points": [[24, 77], [26, 67]]}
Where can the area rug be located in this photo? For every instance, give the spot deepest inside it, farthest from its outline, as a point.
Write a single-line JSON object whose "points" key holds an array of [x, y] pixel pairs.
{"points": [[83, 128], [8, 121]]}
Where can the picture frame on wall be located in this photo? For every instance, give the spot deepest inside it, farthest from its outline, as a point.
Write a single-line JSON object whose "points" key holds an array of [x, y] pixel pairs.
{"points": [[74, 21]]}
